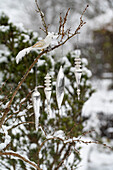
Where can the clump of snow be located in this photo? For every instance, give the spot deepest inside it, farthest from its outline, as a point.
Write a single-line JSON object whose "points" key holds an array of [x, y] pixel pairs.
{"points": [[16, 131], [4, 28], [59, 134], [84, 61], [20, 26], [41, 62], [33, 146], [35, 34], [86, 71], [26, 38]]}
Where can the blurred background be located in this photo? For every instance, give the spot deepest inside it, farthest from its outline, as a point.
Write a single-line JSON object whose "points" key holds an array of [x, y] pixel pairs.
{"points": [[96, 44]]}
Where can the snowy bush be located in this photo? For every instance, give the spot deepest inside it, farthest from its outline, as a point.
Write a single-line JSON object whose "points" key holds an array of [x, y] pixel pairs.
{"points": [[46, 145]]}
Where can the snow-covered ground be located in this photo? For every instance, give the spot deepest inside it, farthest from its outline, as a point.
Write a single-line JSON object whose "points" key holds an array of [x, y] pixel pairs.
{"points": [[101, 100], [96, 157]]}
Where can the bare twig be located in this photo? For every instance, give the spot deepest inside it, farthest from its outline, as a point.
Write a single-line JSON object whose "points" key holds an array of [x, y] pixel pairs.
{"points": [[42, 17], [65, 19], [62, 23]]}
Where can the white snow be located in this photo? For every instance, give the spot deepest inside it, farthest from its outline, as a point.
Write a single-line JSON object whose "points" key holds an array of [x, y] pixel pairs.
{"points": [[4, 28], [33, 146], [100, 101]]}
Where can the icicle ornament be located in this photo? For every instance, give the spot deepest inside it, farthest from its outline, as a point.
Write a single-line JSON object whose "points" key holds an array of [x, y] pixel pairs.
{"points": [[60, 87], [47, 89], [36, 106], [78, 70]]}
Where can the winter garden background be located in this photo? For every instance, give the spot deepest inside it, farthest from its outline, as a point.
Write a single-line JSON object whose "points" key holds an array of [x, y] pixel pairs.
{"points": [[89, 119]]}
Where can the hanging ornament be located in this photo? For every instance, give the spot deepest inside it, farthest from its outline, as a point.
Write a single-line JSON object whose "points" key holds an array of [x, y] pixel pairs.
{"points": [[47, 89], [36, 106], [60, 87], [77, 53], [78, 71]]}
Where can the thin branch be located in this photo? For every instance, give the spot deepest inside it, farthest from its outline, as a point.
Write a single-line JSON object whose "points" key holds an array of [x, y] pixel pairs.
{"points": [[20, 124], [42, 17], [65, 20], [66, 155], [62, 23], [21, 157], [84, 11]]}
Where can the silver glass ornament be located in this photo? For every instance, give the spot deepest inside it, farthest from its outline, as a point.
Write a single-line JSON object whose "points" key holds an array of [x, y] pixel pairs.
{"points": [[47, 89], [60, 87], [78, 72], [36, 106]]}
